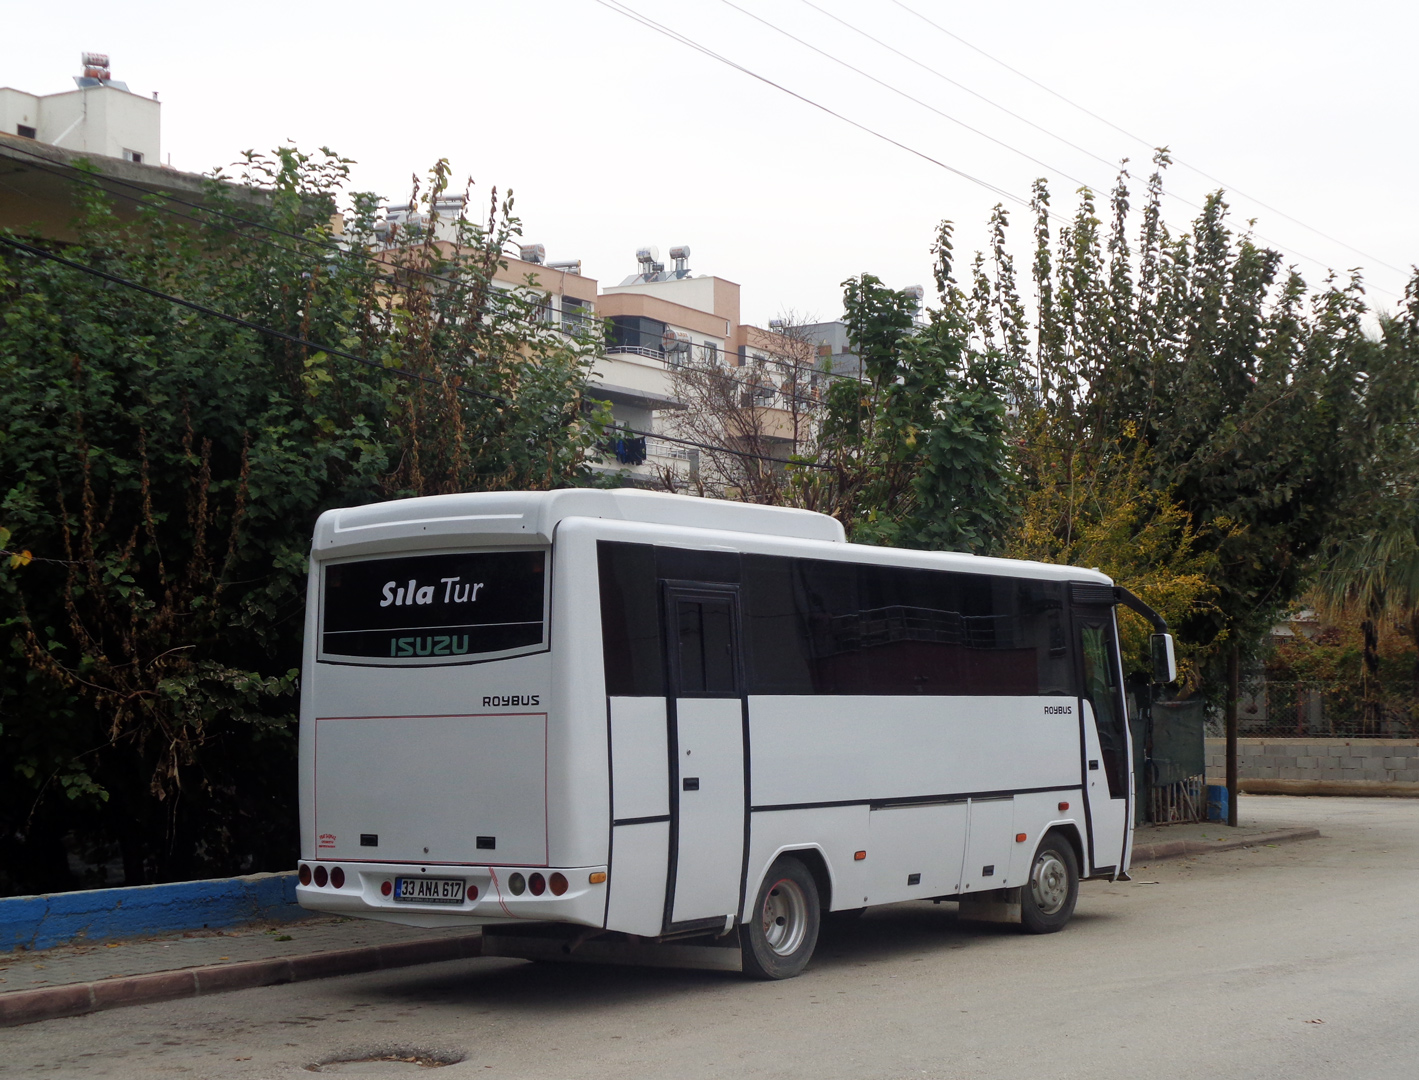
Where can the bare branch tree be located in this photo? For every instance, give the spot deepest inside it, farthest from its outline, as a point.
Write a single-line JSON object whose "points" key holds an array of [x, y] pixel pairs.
{"points": [[752, 415]]}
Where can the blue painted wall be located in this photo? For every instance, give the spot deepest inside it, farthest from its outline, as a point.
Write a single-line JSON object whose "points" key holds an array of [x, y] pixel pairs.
{"points": [[42, 922]]}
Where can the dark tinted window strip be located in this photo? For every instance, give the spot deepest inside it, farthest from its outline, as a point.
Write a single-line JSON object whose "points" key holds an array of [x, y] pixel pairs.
{"points": [[821, 627], [912, 800], [816, 626], [449, 605], [630, 620]]}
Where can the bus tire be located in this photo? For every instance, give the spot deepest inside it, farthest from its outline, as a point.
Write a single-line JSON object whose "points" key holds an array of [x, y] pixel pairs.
{"points": [[1048, 898], [782, 930]]}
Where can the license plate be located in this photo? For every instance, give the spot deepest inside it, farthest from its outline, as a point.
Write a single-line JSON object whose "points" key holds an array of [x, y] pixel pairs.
{"points": [[425, 890]]}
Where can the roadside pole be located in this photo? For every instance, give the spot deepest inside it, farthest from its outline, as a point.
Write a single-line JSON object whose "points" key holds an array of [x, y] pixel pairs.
{"points": [[1233, 689]]}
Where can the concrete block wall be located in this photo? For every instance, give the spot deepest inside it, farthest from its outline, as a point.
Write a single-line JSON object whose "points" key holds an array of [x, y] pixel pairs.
{"points": [[1310, 765]]}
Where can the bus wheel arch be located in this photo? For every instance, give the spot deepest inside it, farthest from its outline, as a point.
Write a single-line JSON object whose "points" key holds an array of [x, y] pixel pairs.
{"points": [[817, 865], [1051, 889], [1070, 832], [812, 857]]}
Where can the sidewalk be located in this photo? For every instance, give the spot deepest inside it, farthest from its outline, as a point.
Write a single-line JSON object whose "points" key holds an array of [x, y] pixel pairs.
{"points": [[1153, 842], [74, 979]]}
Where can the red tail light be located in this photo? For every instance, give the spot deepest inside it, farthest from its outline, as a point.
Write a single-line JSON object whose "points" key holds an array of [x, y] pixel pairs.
{"points": [[537, 884], [321, 877], [472, 892], [304, 875], [337, 878], [559, 884], [387, 888]]}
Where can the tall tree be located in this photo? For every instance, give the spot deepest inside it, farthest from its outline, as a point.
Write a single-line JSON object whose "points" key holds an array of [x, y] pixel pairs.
{"points": [[165, 469], [915, 449]]}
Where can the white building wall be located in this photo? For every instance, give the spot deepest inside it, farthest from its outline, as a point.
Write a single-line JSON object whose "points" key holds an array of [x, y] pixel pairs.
{"points": [[692, 292], [17, 108], [95, 120]]}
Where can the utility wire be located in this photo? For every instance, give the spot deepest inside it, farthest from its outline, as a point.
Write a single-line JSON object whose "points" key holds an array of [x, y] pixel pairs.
{"points": [[295, 339], [1045, 165], [961, 86], [902, 93], [332, 246], [635, 16], [1138, 138], [236, 320], [724, 449], [308, 255], [357, 273]]}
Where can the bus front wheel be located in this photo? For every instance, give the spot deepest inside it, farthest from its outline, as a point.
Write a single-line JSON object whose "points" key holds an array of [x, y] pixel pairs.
{"points": [[782, 929], [1048, 898]]}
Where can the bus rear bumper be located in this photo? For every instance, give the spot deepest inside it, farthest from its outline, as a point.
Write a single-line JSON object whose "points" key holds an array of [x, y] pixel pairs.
{"points": [[454, 895]]}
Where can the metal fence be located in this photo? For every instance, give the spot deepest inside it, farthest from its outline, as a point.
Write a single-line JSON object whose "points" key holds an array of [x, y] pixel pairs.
{"points": [[1278, 708]]}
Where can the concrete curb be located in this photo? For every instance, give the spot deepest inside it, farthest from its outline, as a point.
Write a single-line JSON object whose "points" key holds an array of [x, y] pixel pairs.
{"points": [[42, 922], [52, 1002], [1173, 849], [1402, 789]]}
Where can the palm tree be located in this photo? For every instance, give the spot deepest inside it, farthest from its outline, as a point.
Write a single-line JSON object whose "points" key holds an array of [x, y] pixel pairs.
{"points": [[1375, 571]]}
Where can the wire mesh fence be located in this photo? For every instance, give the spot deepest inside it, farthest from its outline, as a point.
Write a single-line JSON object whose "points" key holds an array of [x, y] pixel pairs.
{"points": [[1277, 708]]}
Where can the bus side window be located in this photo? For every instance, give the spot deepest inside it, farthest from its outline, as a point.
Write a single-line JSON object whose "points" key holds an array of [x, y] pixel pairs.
{"points": [[630, 620], [705, 633]]}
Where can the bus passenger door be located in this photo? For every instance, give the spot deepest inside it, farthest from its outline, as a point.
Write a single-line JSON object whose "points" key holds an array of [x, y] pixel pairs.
{"points": [[706, 736], [1104, 740]]}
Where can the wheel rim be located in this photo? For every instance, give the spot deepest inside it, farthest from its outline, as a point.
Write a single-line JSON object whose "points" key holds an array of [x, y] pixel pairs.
{"points": [[1049, 882], [785, 917]]}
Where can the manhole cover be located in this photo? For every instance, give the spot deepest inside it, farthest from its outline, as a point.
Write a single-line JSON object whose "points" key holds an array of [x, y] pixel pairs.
{"points": [[392, 1063]]}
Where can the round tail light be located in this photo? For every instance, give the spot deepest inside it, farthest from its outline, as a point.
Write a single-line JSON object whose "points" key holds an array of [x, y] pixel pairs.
{"points": [[337, 878], [559, 884], [304, 875], [516, 884], [387, 888], [537, 884], [321, 877], [472, 892]]}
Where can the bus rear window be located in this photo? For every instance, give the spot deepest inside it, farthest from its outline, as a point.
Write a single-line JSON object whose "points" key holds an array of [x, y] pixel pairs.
{"points": [[434, 609]]}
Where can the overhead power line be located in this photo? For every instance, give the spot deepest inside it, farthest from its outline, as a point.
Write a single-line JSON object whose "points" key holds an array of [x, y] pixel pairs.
{"points": [[91, 178], [297, 339], [1138, 138], [961, 86], [635, 16], [236, 320], [83, 174], [1029, 157], [900, 92]]}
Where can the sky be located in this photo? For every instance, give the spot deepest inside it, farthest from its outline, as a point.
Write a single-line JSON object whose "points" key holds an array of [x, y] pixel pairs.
{"points": [[614, 136]]}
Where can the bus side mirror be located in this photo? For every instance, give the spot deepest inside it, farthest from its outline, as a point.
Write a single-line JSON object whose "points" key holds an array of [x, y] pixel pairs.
{"points": [[1165, 661]]}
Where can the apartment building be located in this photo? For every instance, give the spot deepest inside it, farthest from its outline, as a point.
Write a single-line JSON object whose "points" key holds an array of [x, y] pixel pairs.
{"points": [[664, 324], [655, 324]]}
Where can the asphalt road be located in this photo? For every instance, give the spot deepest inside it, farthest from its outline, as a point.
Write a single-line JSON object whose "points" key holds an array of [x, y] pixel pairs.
{"points": [[1297, 961]]}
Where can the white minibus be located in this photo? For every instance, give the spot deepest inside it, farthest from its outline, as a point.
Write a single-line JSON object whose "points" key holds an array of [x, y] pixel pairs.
{"points": [[614, 725]]}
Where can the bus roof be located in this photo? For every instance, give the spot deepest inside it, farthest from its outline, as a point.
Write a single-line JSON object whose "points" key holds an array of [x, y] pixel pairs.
{"points": [[532, 517]]}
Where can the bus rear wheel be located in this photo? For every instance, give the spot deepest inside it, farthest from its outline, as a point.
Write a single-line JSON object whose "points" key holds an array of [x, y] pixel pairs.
{"points": [[782, 930], [1048, 898]]}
